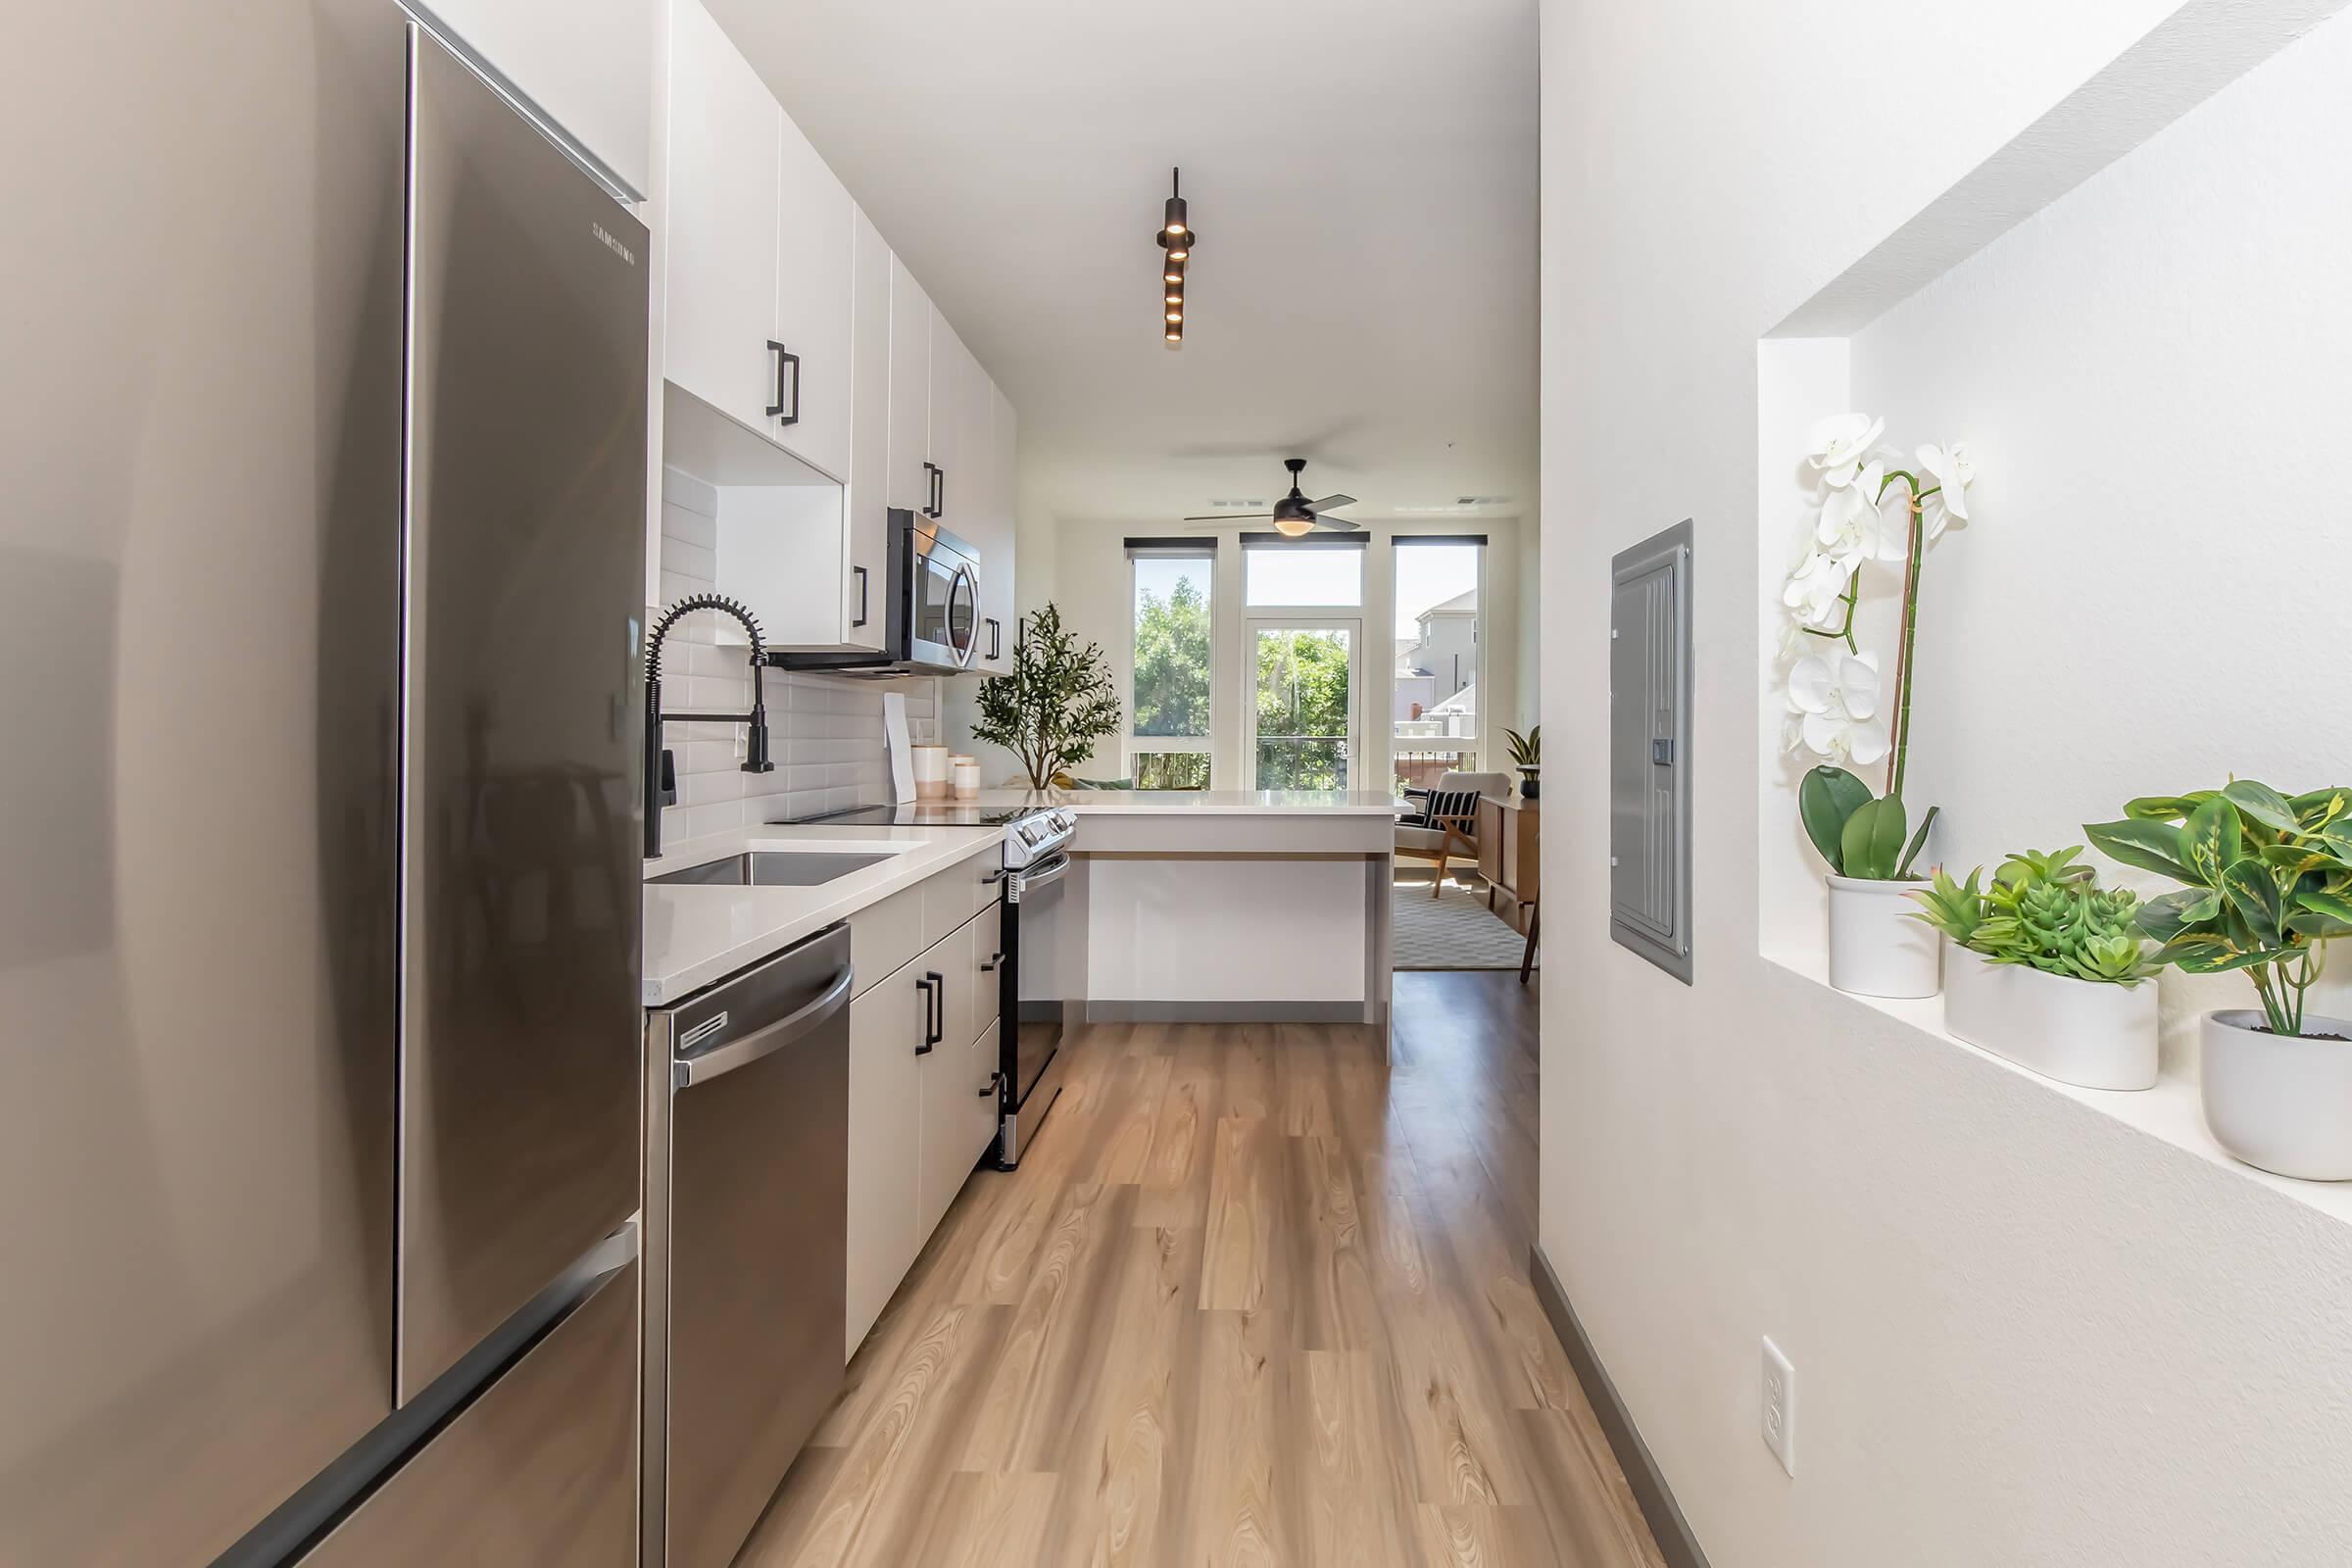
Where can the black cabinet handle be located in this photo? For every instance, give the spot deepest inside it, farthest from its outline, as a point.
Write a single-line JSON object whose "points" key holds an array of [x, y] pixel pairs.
{"points": [[993, 960], [996, 638], [939, 490], [930, 506], [994, 1079], [860, 620], [785, 356], [932, 985]]}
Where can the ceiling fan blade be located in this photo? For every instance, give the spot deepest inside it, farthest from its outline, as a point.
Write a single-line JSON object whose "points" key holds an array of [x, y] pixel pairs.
{"points": [[1322, 521], [1331, 503], [1231, 517]]}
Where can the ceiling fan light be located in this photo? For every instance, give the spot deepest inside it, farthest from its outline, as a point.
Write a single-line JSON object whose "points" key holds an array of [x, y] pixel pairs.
{"points": [[1294, 527]]}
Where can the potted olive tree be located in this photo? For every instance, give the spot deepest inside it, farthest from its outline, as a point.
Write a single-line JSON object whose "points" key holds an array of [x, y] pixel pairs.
{"points": [[1836, 703], [1056, 703], [2267, 881], [2049, 969]]}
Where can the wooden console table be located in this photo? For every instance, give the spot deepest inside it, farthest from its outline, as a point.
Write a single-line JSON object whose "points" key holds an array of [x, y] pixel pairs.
{"points": [[1510, 834]]}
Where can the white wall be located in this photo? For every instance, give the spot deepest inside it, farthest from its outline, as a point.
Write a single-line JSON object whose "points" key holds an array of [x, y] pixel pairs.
{"points": [[2024, 1332]]}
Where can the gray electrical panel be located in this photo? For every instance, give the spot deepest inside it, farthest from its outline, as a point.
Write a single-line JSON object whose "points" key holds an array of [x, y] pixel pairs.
{"points": [[1649, 749]]}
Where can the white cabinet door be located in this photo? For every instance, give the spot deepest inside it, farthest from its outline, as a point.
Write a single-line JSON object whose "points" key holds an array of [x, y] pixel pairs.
{"points": [[950, 401], [816, 226], [1000, 614], [866, 506], [584, 62], [721, 301], [950, 1096], [909, 482], [886, 1026]]}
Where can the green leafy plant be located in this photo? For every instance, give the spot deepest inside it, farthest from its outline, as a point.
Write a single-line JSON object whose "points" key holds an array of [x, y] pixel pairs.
{"points": [[2267, 880], [1057, 702], [2045, 912], [1527, 751], [1859, 834]]}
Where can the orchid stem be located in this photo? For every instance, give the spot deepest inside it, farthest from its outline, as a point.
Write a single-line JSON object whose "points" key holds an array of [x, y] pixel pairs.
{"points": [[1902, 667]]}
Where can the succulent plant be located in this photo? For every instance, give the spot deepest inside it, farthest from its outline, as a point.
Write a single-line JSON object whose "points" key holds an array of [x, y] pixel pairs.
{"points": [[2043, 911]]}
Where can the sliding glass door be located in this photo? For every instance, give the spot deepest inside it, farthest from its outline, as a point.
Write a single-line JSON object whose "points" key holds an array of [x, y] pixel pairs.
{"points": [[1305, 703]]}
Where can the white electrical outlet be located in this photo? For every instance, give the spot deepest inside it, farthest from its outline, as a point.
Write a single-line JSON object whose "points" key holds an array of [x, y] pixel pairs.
{"points": [[1780, 1406]]}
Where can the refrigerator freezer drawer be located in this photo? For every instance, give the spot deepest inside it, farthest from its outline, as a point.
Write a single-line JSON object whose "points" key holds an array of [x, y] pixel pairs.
{"points": [[541, 1468]]}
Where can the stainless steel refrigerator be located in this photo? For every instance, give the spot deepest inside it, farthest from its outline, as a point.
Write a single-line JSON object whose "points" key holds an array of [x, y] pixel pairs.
{"points": [[322, 403]]}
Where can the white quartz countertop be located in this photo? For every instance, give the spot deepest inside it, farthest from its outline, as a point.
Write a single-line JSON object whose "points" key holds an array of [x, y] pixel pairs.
{"points": [[695, 935], [1204, 802]]}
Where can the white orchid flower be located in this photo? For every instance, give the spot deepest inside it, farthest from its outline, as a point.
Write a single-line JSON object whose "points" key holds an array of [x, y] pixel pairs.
{"points": [[1836, 703], [1952, 467], [1854, 529], [1838, 445], [1815, 589]]}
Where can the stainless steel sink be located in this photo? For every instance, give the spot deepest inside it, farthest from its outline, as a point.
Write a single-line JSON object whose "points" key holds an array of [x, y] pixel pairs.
{"points": [[771, 868]]}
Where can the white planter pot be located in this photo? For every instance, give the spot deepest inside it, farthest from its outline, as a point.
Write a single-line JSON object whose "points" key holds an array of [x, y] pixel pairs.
{"points": [[2076, 1031], [1874, 949], [2278, 1101]]}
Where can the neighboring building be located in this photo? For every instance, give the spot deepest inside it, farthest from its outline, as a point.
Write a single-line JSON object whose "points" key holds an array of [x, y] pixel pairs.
{"points": [[1442, 661]]}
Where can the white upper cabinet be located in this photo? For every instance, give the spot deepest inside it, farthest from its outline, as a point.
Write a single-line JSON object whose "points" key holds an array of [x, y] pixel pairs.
{"points": [[816, 237], [582, 62], [725, 133], [951, 394], [909, 484], [866, 506], [999, 614]]}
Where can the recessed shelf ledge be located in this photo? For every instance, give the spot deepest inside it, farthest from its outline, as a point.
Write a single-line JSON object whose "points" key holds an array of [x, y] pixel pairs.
{"points": [[2169, 1113]]}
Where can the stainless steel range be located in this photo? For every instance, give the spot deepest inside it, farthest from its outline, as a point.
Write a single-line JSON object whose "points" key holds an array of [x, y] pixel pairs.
{"points": [[1033, 982]]}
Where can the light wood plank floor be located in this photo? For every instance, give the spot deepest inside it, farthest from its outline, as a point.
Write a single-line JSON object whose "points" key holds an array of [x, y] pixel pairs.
{"points": [[1253, 1297]]}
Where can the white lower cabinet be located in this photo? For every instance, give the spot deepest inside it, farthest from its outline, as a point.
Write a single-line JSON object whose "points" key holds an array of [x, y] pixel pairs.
{"points": [[922, 1102], [886, 1025]]}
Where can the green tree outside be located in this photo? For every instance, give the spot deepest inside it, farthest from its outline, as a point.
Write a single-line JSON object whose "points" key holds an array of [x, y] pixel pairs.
{"points": [[1302, 710]]}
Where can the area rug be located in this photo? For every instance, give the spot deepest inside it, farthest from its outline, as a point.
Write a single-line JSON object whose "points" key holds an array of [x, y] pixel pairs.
{"points": [[1454, 930]]}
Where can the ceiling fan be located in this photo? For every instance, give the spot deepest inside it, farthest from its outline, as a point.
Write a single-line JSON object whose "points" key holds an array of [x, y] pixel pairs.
{"points": [[1294, 516]]}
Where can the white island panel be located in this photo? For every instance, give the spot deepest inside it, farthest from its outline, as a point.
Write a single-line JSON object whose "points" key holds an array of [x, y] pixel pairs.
{"points": [[1213, 929]]}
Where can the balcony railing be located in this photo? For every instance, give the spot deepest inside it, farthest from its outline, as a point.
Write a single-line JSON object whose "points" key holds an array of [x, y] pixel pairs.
{"points": [[1420, 768], [1302, 762]]}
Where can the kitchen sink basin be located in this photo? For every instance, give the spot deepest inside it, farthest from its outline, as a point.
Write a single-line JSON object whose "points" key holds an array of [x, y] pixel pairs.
{"points": [[771, 868]]}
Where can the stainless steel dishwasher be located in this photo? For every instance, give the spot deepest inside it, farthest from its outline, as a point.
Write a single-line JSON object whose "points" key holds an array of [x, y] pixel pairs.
{"points": [[746, 1209]]}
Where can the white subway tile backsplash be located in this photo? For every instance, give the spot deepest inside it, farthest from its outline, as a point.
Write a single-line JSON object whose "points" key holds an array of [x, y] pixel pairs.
{"points": [[824, 732]]}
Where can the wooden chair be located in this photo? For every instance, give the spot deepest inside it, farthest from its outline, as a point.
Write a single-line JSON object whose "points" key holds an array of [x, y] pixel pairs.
{"points": [[1527, 960], [1453, 837]]}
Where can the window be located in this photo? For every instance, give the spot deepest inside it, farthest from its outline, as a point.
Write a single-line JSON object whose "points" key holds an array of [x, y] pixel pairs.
{"points": [[1308, 572], [1434, 720], [1174, 661]]}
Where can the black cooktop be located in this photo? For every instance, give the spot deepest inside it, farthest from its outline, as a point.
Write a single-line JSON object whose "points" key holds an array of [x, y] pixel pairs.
{"points": [[920, 813]]}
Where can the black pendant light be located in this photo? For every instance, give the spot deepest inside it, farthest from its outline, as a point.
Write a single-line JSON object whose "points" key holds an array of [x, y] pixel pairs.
{"points": [[1176, 238]]}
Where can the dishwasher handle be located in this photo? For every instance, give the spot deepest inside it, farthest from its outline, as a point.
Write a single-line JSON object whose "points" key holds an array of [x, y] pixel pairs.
{"points": [[798, 1024]]}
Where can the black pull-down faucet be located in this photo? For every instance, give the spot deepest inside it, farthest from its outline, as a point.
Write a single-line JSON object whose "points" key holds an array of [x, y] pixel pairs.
{"points": [[661, 778]]}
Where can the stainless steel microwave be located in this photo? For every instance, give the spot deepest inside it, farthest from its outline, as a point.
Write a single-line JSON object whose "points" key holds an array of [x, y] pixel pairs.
{"points": [[931, 607]]}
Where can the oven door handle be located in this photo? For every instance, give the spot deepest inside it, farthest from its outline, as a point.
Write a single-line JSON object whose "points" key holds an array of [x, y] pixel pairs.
{"points": [[798, 1024], [1046, 875]]}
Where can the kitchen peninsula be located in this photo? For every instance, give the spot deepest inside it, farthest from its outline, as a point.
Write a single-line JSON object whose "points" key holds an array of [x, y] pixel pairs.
{"points": [[1222, 905]]}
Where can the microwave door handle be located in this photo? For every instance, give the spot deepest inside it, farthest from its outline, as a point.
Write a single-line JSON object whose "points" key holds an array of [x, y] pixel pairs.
{"points": [[794, 1025], [968, 581]]}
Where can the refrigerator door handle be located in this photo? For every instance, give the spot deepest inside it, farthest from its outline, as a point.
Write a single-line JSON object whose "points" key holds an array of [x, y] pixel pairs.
{"points": [[794, 1025]]}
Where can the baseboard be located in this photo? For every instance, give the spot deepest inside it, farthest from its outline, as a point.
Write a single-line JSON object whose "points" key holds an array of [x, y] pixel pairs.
{"points": [[1225, 1012], [1650, 1492]]}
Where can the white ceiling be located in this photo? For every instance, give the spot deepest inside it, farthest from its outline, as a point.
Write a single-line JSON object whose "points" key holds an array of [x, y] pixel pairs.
{"points": [[1362, 177]]}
